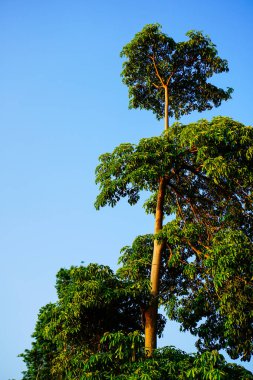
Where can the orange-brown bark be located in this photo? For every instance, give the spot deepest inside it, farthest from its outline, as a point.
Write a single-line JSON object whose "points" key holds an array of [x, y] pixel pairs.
{"points": [[152, 311], [166, 108]]}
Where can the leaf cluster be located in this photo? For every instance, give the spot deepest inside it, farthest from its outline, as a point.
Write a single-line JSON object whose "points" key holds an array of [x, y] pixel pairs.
{"points": [[206, 275], [155, 61], [92, 301], [167, 363]]}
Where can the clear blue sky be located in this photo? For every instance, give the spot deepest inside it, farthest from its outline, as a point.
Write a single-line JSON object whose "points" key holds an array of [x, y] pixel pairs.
{"points": [[62, 104]]}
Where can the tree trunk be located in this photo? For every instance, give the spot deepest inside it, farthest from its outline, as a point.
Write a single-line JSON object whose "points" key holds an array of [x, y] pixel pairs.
{"points": [[166, 108], [152, 311]]}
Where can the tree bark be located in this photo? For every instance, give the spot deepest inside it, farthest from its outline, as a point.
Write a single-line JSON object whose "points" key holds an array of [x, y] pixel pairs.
{"points": [[152, 311], [166, 108]]}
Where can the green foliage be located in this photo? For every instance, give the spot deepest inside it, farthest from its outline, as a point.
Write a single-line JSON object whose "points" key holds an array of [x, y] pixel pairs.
{"points": [[131, 168], [94, 330], [167, 363], [92, 301], [216, 302], [136, 266], [154, 61], [206, 275], [39, 358], [117, 351]]}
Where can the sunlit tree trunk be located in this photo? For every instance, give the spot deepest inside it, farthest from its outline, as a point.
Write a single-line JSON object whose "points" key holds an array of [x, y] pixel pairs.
{"points": [[166, 108], [152, 311]]}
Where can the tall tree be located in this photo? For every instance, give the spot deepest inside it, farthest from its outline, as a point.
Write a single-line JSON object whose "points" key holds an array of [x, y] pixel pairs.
{"points": [[171, 79], [212, 238], [208, 171]]}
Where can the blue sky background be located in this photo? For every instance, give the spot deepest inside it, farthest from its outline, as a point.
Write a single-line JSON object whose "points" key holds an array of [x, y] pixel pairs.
{"points": [[62, 104]]}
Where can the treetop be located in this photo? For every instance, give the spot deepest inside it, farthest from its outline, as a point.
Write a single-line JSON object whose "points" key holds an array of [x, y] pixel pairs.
{"points": [[155, 62]]}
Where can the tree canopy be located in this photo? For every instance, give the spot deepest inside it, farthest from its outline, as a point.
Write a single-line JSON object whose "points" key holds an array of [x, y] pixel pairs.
{"points": [[198, 265], [94, 331], [91, 301], [207, 167], [171, 78]]}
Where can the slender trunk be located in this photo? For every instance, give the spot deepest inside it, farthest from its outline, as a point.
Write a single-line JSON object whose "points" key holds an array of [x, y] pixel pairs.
{"points": [[152, 311], [166, 108]]}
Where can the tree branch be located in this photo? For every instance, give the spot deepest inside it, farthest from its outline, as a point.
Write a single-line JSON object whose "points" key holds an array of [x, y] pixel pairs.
{"points": [[152, 57]]}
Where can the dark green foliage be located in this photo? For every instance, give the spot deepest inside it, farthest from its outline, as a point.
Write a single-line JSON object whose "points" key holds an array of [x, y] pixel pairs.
{"points": [[95, 329], [207, 264], [40, 357], [131, 168], [92, 301], [94, 332], [203, 156], [121, 356], [216, 301], [136, 266], [154, 61], [167, 363]]}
